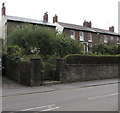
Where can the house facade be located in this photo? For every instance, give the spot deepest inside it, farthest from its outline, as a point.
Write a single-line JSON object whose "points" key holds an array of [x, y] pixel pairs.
{"points": [[86, 34]]}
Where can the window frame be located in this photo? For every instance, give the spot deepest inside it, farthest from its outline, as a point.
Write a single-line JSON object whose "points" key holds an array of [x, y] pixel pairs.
{"points": [[112, 38], [72, 35], [105, 39], [89, 37], [81, 37], [118, 40]]}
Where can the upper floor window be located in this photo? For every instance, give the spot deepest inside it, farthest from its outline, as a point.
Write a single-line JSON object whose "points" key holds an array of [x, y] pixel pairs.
{"points": [[90, 37], [105, 39], [112, 38], [81, 36], [72, 34], [118, 40], [20, 26]]}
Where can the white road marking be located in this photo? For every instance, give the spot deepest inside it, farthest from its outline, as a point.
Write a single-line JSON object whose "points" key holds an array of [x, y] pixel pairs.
{"points": [[103, 96], [49, 106], [51, 109]]}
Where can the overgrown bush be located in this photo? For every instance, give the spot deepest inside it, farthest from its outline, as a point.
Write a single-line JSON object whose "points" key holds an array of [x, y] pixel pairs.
{"points": [[44, 41], [110, 48]]}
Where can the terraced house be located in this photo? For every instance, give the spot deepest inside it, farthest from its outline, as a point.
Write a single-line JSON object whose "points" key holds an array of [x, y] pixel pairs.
{"points": [[86, 34]]}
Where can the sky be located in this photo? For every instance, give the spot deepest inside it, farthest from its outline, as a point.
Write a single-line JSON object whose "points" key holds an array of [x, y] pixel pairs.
{"points": [[102, 13]]}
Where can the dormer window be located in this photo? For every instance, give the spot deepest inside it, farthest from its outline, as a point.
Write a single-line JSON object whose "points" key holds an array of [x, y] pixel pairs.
{"points": [[72, 34], [105, 39], [81, 36], [90, 37]]}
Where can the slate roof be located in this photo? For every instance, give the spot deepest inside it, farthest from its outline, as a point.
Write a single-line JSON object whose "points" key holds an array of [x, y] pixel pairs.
{"points": [[83, 28], [33, 21], [105, 31], [65, 25], [76, 27]]}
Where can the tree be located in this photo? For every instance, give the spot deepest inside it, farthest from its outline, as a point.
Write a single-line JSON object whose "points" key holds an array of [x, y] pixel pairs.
{"points": [[44, 41]]}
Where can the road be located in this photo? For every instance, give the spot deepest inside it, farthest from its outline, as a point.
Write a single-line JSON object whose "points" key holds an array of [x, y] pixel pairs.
{"points": [[95, 98]]}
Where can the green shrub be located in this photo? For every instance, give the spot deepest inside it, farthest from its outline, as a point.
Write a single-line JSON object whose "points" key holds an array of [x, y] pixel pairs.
{"points": [[13, 54], [111, 48], [89, 59], [14, 50]]}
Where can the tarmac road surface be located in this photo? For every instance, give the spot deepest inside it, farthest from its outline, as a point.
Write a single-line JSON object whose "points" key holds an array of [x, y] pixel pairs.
{"points": [[94, 98]]}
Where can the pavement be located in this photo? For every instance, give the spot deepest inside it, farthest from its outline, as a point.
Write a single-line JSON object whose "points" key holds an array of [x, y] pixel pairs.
{"points": [[23, 90]]}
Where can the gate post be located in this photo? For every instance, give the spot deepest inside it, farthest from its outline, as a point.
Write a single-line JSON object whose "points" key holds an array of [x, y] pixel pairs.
{"points": [[61, 69], [36, 75]]}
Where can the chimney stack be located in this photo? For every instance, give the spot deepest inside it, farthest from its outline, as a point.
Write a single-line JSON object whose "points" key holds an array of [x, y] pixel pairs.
{"points": [[111, 29], [45, 17], [87, 24], [55, 18], [3, 9]]}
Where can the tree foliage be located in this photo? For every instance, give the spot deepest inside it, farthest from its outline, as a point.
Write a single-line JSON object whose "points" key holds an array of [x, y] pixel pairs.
{"points": [[42, 40], [111, 48]]}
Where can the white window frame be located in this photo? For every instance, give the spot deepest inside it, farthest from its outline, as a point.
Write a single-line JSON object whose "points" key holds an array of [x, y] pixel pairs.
{"points": [[81, 36], [105, 39], [89, 37], [112, 38], [118, 40], [72, 34]]}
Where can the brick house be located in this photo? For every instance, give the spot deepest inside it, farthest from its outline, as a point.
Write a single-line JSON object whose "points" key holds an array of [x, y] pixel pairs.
{"points": [[8, 22], [86, 34]]}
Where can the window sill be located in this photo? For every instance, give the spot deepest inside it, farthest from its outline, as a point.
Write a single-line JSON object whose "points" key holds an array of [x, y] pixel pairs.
{"points": [[89, 40], [105, 42], [81, 40], [72, 37]]}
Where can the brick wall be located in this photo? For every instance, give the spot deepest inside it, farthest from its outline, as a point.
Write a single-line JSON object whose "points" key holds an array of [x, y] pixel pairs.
{"points": [[95, 37]]}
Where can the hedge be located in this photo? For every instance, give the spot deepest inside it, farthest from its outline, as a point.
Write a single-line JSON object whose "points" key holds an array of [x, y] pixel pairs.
{"points": [[87, 59]]}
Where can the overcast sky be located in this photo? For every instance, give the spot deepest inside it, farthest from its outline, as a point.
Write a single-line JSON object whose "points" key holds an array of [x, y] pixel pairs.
{"points": [[102, 13]]}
